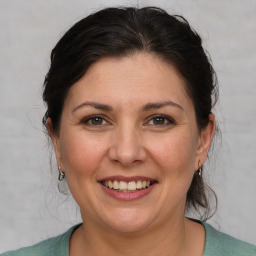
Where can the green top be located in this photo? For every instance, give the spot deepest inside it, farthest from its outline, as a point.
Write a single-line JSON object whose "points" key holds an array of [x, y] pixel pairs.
{"points": [[216, 244]]}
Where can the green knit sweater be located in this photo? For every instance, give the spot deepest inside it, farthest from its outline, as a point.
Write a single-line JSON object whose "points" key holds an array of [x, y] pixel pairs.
{"points": [[217, 244]]}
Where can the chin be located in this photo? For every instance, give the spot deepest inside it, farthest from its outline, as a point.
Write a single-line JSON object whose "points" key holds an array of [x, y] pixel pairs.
{"points": [[129, 221]]}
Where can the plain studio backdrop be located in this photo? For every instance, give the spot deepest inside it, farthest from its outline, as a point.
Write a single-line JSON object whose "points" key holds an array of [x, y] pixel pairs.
{"points": [[31, 208]]}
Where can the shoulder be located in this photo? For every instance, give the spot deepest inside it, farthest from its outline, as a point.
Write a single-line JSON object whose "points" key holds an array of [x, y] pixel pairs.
{"points": [[58, 245], [221, 244]]}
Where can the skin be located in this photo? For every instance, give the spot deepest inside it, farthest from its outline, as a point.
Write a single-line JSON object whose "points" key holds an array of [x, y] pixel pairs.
{"points": [[129, 141]]}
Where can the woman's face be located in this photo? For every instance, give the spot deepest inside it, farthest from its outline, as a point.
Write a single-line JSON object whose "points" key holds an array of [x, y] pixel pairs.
{"points": [[126, 125]]}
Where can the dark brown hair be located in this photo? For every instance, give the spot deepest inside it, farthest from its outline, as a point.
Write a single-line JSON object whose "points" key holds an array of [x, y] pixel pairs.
{"points": [[118, 32]]}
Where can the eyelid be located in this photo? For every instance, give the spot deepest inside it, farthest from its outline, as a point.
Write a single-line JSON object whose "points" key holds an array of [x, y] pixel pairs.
{"points": [[171, 121], [86, 119]]}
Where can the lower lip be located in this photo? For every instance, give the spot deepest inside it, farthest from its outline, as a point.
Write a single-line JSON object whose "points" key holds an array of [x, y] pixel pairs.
{"points": [[127, 196]]}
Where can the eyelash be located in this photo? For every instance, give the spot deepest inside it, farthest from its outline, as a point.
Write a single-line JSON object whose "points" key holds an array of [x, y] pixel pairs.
{"points": [[167, 120], [90, 118]]}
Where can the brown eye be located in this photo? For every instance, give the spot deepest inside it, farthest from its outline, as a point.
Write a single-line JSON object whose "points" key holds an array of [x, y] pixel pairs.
{"points": [[95, 120], [160, 121]]}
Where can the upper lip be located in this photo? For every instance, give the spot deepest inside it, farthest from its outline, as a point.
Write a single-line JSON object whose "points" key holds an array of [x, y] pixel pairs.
{"points": [[127, 179]]}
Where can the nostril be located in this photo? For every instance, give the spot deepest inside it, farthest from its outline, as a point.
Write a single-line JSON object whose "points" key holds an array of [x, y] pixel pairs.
{"points": [[126, 147], [127, 156]]}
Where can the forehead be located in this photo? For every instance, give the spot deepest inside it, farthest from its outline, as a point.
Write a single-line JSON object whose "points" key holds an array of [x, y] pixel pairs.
{"points": [[132, 79]]}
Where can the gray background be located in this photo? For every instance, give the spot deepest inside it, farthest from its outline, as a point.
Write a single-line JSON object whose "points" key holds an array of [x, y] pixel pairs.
{"points": [[31, 208]]}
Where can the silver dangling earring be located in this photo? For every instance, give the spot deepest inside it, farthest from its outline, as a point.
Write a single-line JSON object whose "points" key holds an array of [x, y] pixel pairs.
{"points": [[61, 174], [199, 169]]}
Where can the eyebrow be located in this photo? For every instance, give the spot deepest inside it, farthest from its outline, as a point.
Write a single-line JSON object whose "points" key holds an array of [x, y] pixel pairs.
{"points": [[94, 105], [147, 107], [162, 104]]}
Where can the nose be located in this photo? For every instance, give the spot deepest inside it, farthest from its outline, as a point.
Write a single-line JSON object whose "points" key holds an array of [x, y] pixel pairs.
{"points": [[127, 147]]}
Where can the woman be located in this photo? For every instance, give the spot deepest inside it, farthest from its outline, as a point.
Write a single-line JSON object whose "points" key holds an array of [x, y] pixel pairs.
{"points": [[130, 94]]}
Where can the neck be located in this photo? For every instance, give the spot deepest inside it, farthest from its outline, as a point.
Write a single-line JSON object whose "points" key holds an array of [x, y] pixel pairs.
{"points": [[172, 239]]}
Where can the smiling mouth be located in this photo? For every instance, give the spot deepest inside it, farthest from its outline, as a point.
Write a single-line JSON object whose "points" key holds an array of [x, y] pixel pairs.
{"points": [[126, 187]]}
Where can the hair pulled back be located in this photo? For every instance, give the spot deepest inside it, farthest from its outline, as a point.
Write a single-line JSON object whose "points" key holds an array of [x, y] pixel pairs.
{"points": [[119, 32]]}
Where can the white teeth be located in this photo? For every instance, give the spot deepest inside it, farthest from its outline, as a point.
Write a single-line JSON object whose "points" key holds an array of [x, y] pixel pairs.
{"points": [[132, 185], [115, 184], [123, 185], [126, 186], [110, 184], [139, 184]]}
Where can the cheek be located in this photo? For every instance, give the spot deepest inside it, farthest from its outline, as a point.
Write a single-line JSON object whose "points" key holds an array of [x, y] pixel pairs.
{"points": [[81, 154], [175, 154]]}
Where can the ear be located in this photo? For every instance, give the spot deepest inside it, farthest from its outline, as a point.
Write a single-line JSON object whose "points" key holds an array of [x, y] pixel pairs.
{"points": [[205, 140], [55, 141]]}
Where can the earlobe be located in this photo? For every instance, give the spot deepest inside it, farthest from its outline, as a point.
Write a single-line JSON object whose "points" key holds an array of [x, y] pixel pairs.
{"points": [[206, 137], [55, 141]]}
